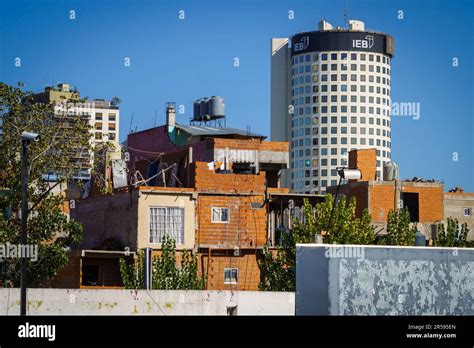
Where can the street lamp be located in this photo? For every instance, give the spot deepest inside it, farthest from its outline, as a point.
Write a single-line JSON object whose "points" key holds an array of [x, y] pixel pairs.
{"points": [[26, 138], [346, 174]]}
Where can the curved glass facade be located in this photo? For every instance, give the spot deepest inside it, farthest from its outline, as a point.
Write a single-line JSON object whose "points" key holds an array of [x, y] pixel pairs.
{"points": [[340, 101]]}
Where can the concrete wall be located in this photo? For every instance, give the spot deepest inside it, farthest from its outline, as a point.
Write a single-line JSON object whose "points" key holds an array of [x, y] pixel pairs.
{"points": [[278, 90], [246, 263], [384, 280], [280, 96], [142, 302]]}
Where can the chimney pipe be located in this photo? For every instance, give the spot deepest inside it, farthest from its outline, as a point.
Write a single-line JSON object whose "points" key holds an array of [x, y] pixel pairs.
{"points": [[170, 116]]}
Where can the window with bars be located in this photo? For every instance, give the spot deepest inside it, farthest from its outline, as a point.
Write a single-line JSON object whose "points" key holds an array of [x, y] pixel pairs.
{"points": [[231, 275], [220, 214], [166, 221]]}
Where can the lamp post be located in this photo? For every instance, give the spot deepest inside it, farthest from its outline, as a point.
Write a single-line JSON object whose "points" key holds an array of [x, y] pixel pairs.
{"points": [[346, 174], [26, 138]]}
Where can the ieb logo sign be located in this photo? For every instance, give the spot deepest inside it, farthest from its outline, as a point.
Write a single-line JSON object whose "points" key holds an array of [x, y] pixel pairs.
{"points": [[303, 44], [367, 43]]}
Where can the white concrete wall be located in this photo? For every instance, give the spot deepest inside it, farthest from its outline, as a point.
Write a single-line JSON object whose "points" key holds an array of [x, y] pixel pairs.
{"points": [[279, 96], [142, 302], [384, 280], [279, 90]]}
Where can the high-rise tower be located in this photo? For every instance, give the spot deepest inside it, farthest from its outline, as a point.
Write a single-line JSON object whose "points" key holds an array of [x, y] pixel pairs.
{"points": [[330, 93]]}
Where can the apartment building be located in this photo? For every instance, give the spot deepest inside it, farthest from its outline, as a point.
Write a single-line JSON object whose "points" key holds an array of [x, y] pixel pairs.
{"points": [[102, 116]]}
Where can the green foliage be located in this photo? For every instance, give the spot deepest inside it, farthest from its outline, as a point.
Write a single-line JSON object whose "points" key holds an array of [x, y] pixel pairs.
{"points": [[115, 101], [48, 227], [133, 276], [100, 155], [166, 274], [454, 236], [345, 227], [399, 229], [278, 266]]}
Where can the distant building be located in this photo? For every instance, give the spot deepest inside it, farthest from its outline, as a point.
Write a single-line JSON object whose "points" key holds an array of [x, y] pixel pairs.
{"points": [[330, 93], [460, 205], [103, 116]]}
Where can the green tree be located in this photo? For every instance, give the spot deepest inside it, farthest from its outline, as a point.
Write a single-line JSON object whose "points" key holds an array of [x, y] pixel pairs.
{"points": [[454, 236], [278, 266], [61, 137], [133, 276], [399, 229], [115, 101], [166, 273], [344, 227]]}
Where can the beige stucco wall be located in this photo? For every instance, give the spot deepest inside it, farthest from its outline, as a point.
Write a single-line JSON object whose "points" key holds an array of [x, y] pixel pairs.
{"points": [[454, 204], [147, 200]]}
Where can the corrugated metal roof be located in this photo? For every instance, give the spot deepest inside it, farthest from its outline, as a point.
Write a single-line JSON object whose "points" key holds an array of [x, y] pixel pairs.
{"points": [[201, 130]]}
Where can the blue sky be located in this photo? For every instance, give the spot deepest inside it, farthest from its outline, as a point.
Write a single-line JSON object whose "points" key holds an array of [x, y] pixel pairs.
{"points": [[182, 60]]}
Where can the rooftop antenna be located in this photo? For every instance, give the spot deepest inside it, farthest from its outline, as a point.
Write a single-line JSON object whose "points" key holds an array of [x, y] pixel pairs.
{"points": [[154, 121], [345, 14], [131, 120]]}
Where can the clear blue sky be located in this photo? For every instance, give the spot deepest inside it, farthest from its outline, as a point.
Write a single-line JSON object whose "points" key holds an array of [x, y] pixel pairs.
{"points": [[182, 60]]}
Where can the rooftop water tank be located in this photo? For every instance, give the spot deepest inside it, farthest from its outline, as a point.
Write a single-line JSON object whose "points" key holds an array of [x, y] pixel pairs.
{"points": [[197, 109], [216, 106], [391, 171], [204, 108]]}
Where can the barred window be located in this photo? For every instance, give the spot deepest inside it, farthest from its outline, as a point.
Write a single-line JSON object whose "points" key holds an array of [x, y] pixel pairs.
{"points": [[231, 275], [221, 214], [166, 221]]}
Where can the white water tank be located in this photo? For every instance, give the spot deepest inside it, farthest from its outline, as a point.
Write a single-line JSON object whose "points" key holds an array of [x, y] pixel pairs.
{"points": [[391, 171]]}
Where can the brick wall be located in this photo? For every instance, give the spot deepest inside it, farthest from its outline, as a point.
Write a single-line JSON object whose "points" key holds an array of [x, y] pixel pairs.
{"points": [[382, 200], [107, 218], [247, 227], [249, 144], [207, 180], [69, 277], [364, 160], [361, 194], [246, 263], [430, 200]]}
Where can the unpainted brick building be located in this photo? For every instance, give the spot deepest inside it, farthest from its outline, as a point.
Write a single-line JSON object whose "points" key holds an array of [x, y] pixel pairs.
{"points": [[215, 190], [424, 199]]}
